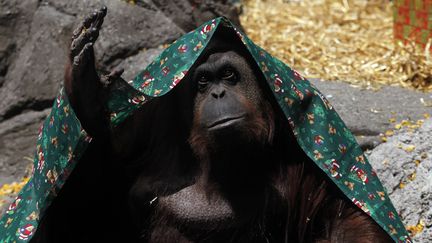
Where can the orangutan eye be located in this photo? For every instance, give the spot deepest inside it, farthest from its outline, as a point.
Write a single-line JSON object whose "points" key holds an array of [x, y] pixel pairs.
{"points": [[203, 81], [228, 73]]}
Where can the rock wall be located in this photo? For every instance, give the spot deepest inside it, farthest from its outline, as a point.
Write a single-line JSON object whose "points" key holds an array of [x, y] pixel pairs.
{"points": [[404, 165]]}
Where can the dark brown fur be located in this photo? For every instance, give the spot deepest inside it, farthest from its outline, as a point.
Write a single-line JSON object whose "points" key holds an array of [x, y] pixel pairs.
{"points": [[313, 208], [120, 189]]}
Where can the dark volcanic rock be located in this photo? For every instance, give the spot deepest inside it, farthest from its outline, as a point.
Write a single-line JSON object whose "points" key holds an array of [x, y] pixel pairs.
{"points": [[196, 12], [134, 64], [34, 75], [15, 25], [17, 144], [367, 112]]}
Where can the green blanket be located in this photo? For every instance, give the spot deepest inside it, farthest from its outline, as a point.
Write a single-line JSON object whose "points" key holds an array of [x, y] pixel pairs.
{"points": [[318, 129]]}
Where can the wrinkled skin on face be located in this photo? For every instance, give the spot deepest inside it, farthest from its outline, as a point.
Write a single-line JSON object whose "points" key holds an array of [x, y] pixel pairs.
{"points": [[227, 99], [214, 160]]}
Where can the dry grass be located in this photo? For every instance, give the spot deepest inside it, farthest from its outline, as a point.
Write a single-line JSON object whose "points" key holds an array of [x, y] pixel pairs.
{"points": [[348, 40]]}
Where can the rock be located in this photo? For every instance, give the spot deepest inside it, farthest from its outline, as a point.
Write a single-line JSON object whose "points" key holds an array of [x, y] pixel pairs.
{"points": [[128, 29], [406, 172], [34, 75], [367, 112], [134, 64], [17, 144], [196, 12], [15, 25]]}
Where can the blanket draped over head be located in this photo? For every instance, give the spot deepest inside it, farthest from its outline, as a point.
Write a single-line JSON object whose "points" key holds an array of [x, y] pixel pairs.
{"points": [[319, 131]]}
